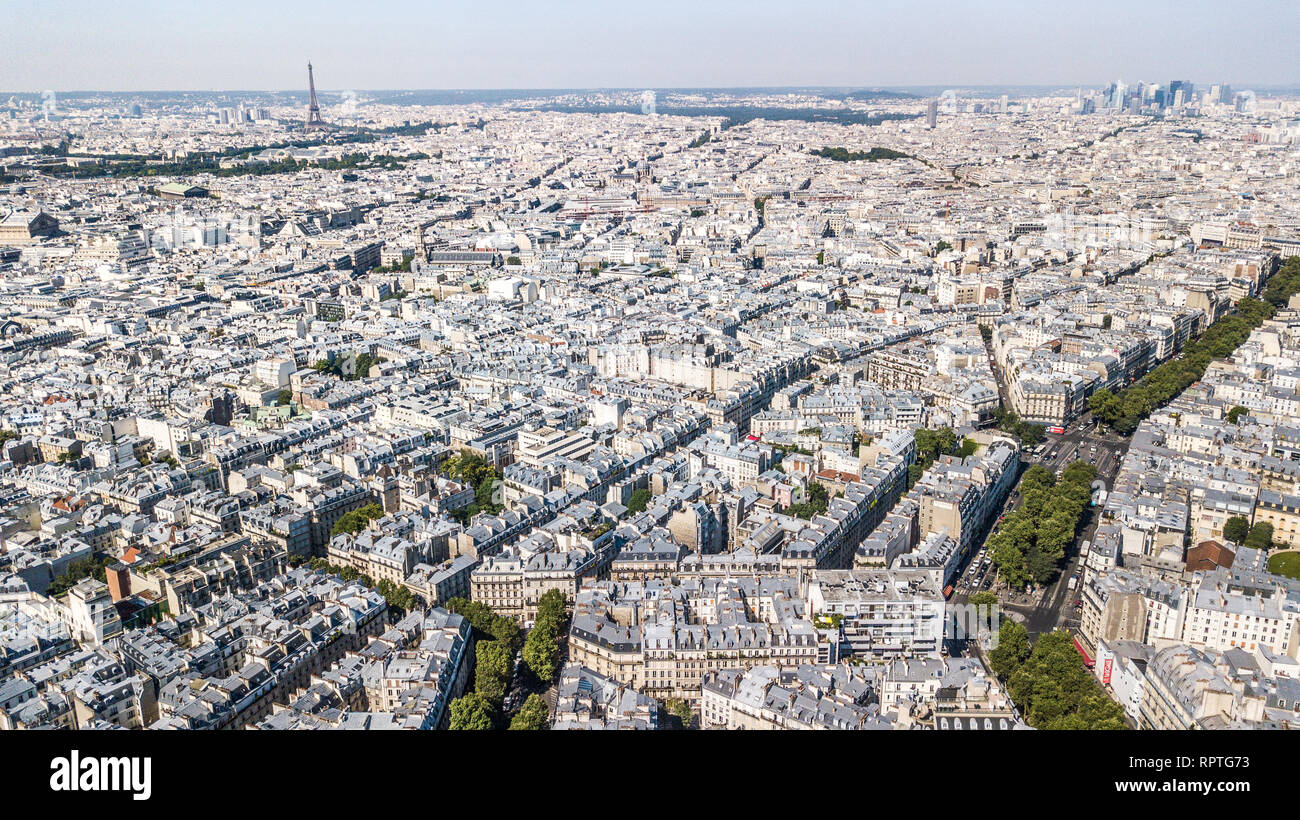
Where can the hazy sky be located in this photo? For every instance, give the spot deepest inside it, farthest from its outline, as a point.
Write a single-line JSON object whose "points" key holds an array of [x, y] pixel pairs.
{"points": [[384, 44]]}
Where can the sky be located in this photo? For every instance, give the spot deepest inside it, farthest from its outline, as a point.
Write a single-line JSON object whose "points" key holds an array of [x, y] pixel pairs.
{"points": [[166, 45]]}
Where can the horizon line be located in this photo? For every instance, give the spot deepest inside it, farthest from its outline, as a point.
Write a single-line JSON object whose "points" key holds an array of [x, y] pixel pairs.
{"points": [[1291, 85]]}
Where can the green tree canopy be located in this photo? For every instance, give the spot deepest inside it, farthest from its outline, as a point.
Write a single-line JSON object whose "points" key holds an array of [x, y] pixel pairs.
{"points": [[1012, 649], [1055, 691], [1260, 536], [1032, 540], [1236, 529], [542, 651], [874, 155], [639, 501], [493, 666], [354, 521], [1219, 340], [471, 712], [532, 716]]}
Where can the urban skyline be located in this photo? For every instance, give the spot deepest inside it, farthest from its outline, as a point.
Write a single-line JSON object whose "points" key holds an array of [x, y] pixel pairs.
{"points": [[966, 414]]}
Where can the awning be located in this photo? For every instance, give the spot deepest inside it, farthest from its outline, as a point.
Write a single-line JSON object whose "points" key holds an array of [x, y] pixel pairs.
{"points": [[1088, 660]]}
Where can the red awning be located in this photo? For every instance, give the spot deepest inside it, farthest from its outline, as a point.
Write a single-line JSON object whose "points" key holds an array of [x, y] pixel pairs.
{"points": [[1088, 660]]}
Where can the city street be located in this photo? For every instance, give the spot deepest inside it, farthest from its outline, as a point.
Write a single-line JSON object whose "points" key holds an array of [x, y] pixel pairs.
{"points": [[1052, 607]]}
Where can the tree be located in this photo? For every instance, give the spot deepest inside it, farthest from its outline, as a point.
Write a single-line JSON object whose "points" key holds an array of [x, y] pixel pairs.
{"points": [[400, 599], [914, 473], [506, 632], [488, 626], [1054, 690], [873, 155], [1079, 472], [513, 260], [983, 599], [552, 607], [681, 711], [1260, 536], [639, 501], [471, 712], [1236, 413], [946, 439], [1038, 475], [1031, 435], [78, 570], [1105, 405], [361, 366], [284, 397], [542, 651], [1236, 529], [532, 716], [493, 665], [816, 503], [927, 445], [1220, 339], [1012, 649], [354, 521], [1031, 542]]}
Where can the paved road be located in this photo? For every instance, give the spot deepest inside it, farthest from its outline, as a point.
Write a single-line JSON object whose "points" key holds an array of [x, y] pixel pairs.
{"points": [[1053, 607], [1003, 395]]}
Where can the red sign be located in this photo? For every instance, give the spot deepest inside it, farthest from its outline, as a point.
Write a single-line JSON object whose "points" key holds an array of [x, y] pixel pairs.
{"points": [[1105, 671]]}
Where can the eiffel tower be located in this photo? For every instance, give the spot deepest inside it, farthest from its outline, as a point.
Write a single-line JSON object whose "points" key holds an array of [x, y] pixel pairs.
{"points": [[314, 122]]}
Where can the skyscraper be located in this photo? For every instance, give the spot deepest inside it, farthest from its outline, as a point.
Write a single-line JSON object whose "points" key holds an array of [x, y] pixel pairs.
{"points": [[931, 113], [1177, 88]]}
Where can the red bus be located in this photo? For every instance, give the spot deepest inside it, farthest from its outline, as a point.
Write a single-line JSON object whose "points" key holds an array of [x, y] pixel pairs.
{"points": [[1056, 431]]}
